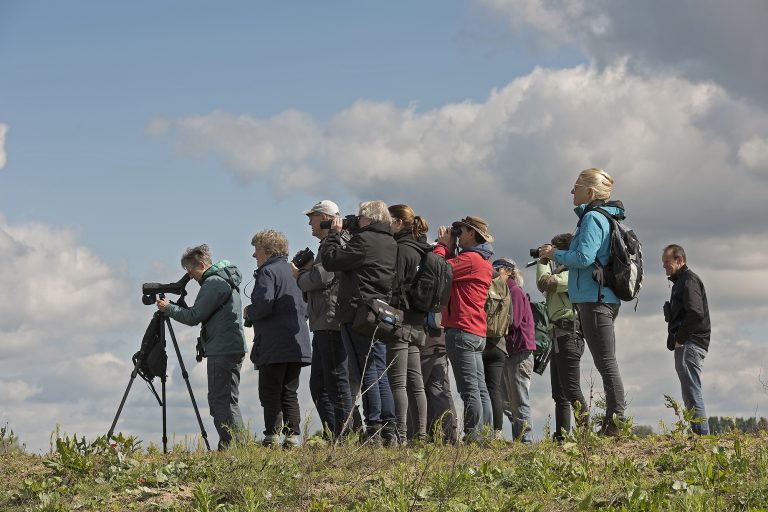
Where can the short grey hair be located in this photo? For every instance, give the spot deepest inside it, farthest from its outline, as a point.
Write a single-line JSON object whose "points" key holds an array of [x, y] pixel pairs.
{"points": [[193, 257], [377, 211]]}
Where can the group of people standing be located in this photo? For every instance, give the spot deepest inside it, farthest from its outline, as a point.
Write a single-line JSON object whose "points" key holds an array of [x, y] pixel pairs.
{"points": [[403, 383]]}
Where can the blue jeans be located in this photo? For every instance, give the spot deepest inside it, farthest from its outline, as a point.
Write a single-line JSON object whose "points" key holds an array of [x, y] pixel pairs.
{"points": [[378, 404], [689, 360], [328, 380], [465, 352], [517, 383]]}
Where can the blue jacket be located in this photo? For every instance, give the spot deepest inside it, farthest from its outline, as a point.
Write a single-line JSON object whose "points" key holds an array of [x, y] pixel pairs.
{"points": [[279, 316], [591, 240]]}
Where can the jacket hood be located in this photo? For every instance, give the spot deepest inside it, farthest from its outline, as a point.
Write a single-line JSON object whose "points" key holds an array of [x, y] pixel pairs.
{"points": [[420, 244], [225, 270], [379, 227], [484, 249], [613, 207]]}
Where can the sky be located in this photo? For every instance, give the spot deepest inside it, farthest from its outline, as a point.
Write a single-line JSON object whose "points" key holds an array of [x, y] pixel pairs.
{"points": [[132, 130]]}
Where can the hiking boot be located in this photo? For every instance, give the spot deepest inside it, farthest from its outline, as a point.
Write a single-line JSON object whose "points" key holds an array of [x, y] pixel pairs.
{"points": [[372, 435], [389, 436]]}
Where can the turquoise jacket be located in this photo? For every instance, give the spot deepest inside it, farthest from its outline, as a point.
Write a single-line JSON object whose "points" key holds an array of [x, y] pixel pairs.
{"points": [[218, 306], [591, 241]]}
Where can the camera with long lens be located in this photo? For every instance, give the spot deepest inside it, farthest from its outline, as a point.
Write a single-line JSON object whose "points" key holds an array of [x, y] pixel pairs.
{"points": [[303, 257], [150, 291], [348, 223]]}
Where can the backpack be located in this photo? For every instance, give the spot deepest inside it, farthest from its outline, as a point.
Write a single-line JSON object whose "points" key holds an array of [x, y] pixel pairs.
{"points": [[151, 360], [431, 286], [543, 340], [624, 271], [498, 306]]}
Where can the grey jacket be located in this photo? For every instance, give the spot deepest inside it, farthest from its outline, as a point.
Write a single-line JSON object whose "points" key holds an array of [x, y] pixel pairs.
{"points": [[217, 305], [321, 291]]}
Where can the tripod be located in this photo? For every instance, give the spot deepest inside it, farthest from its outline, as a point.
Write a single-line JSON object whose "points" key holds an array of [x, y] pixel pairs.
{"points": [[162, 322]]}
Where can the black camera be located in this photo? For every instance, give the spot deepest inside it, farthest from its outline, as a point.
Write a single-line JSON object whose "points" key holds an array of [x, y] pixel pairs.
{"points": [[535, 252], [348, 223], [303, 257], [150, 291], [456, 229]]}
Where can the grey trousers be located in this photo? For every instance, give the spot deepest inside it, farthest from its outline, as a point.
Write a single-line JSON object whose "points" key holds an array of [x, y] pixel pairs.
{"points": [[441, 411], [223, 395], [407, 384]]}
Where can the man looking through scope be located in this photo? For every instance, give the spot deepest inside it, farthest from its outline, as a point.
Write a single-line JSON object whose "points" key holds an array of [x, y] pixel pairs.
{"points": [[218, 307]]}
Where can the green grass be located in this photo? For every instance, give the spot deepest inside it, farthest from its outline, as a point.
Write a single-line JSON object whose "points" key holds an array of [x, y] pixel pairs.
{"points": [[670, 472]]}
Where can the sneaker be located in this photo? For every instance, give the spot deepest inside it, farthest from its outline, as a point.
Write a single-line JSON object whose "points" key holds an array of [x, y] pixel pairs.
{"points": [[269, 440], [291, 441]]}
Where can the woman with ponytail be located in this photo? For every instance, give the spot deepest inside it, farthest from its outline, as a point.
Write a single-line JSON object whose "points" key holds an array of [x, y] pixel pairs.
{"points": [[403, 355]]}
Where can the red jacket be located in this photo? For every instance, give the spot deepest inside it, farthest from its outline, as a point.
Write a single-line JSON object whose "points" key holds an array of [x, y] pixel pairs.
{"points": [[472, 276]]}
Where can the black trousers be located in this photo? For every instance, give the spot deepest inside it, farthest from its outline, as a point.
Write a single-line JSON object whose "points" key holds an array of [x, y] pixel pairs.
{"points": [[493, 365], [277, 392], [565, 376], [597, 324], [329, 381]]}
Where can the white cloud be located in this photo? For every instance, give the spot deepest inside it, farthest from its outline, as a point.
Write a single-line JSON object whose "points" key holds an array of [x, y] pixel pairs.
{"points": [[693, 38], [3, 131], [667, 140], [754, 154], [18, 391]]}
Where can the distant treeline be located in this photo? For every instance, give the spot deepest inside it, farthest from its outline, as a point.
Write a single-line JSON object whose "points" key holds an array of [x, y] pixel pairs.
{"points": [[718, 425]]}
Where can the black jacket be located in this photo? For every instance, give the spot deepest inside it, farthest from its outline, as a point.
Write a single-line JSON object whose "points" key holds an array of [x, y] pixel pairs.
{"points": [[688, 311], [365, 266], [409, 254]]}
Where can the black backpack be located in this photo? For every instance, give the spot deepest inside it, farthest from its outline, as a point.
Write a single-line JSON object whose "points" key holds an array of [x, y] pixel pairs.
{"points": [[624, 271], [152, 361], [431, 286]]}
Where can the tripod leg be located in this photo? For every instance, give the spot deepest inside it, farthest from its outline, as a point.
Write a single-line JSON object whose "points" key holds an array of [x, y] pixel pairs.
{"points": [[122, 402], [189, 386], [165, 424]]}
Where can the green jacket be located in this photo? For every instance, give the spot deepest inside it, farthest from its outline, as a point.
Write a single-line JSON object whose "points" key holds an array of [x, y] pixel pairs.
{"points": [[218, 306], [555, 289]]}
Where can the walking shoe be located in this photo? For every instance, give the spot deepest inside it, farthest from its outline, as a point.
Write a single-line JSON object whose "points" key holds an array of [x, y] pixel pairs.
{"points": [[269, 440], [291, 441]]}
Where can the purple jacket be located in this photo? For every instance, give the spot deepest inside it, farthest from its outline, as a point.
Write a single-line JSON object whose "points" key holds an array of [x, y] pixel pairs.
{"points": [[522, 333]]}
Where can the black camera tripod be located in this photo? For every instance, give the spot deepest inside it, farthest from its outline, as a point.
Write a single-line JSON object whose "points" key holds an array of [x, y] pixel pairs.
{"points": [[164, 321]]}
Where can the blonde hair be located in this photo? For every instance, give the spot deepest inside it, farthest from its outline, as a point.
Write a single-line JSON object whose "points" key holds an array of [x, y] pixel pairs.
{"points": [[376, 211], [598, 181], [273, 242]]}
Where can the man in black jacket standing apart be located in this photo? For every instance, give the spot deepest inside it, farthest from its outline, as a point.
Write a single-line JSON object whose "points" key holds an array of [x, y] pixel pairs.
{"points": [[687, 316]]}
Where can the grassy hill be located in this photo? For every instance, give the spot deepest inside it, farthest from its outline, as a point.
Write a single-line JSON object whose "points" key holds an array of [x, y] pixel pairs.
{"points": [[662, 472]]}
